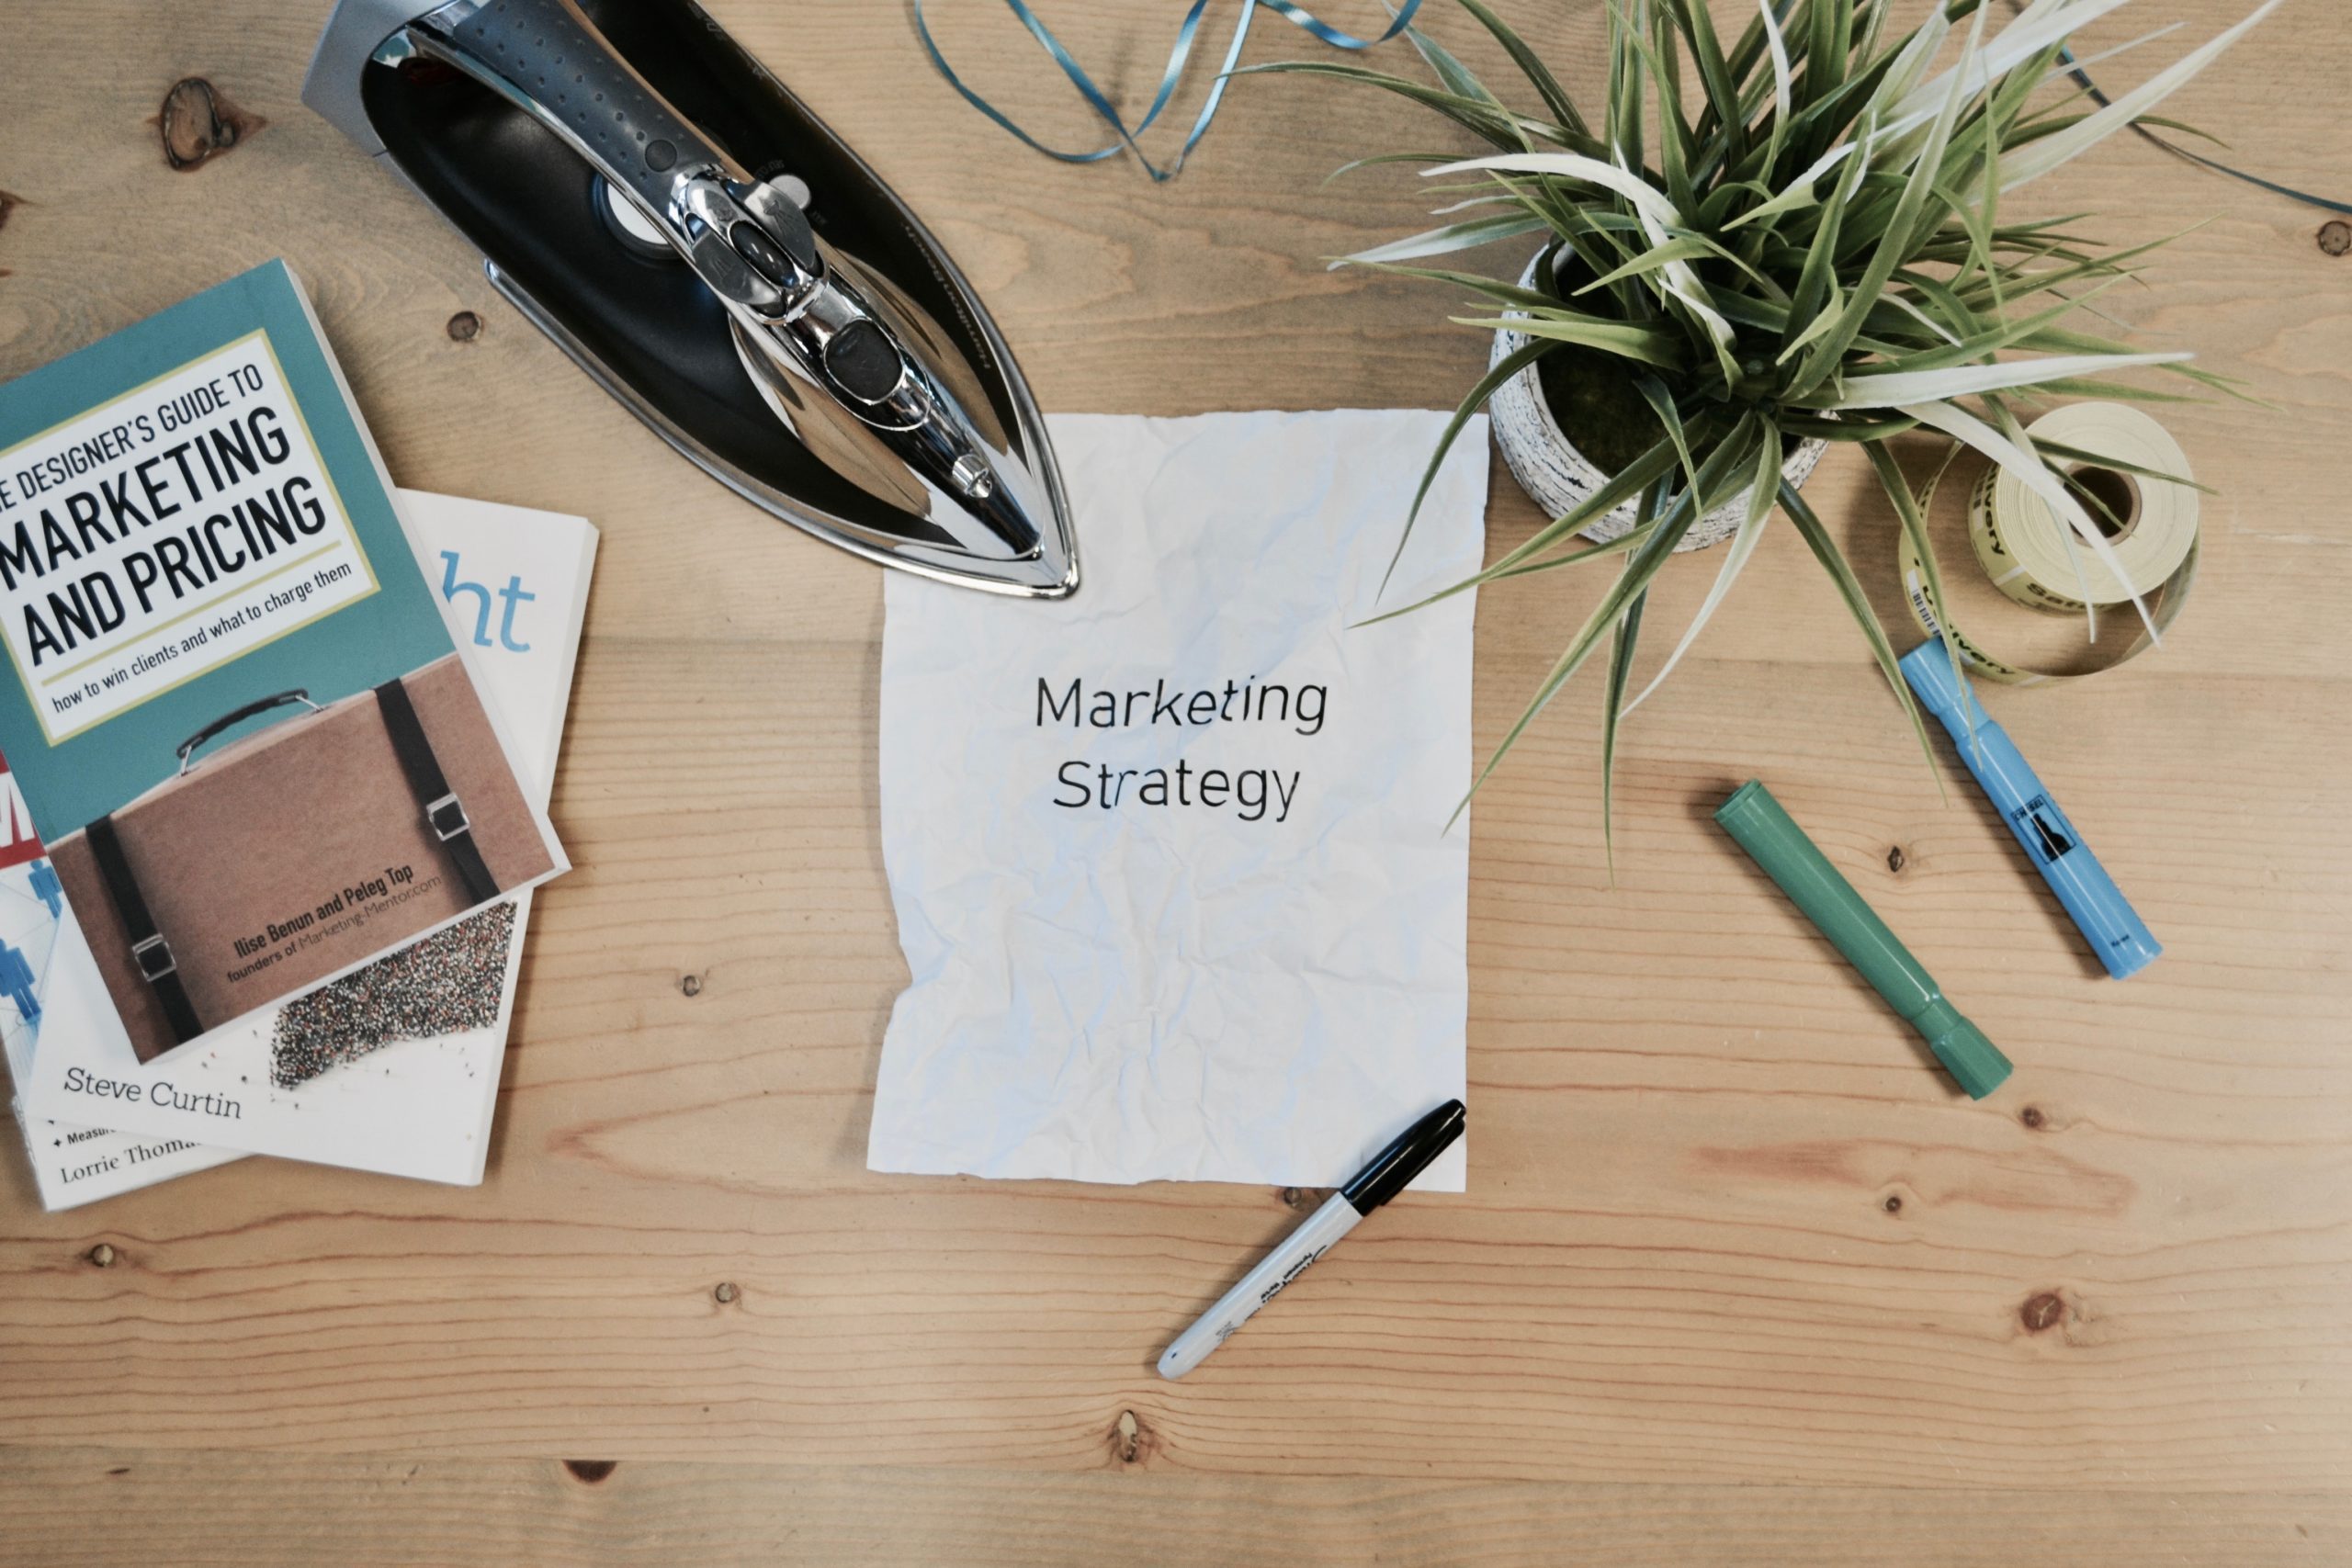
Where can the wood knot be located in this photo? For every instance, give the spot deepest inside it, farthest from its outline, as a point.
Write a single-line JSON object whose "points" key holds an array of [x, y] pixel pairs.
{"points": [[1303, 1198], [100, 1256], [9, 202], [1894, 1204], [2336, 237], [690, 985], [1895, 859], [591, 1470], [726, 1293], [198, 122], [2031, 1116], [1132, 1441], [464, 327], [2042, 1311]]}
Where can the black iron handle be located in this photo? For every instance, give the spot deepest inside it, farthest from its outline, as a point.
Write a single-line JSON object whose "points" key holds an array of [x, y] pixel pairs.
{"points": [[547, 52]]}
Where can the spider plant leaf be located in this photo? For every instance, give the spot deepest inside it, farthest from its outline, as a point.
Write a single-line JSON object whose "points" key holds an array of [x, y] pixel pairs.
{"points": [[1626, 483], [1680, 248], [2084, 62], [1833, 560], [1633, 539], [1825, 355], [1676, 151], [2032, 162], [1622, 486], [1465, 235], [1908, 67], [1781, 90], [2012, 427], [1624, 112], [1750, 47], [1642, 196], [2093, 387], [1979, 255], [2109, 265], [1874, 20], [1830, 40], [1799, 192], [1915, 528], [1822, 122], [2181, 126], [1714, 77], [1656, 212], [1989, 195], [1627, 541], [1763, 490], [1671, 525], [1816, 281], [1456, 77], [1510, 364], [1530, 65], [1352, 164], [1661, 403], [1899, 389], [1771, 288], [1622, 640], [1821, 322], [1645, 345], [2027, 466], [1846, 427], [1487, 197], [2004, 334], [2084, 455], [1474, 115], [2020, 42], [1492, 288], [1895, 298]]}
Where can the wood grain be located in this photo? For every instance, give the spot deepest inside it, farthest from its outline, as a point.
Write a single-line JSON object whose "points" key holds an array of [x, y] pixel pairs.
{"points": [[92, 1508], [1737, 1279]]}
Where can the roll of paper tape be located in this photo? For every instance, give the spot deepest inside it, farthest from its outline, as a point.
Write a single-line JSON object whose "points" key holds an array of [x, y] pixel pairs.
{"points": [[2034, 557]]}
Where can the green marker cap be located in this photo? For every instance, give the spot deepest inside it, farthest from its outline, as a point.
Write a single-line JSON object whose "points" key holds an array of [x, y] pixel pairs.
{"points": [[1975, 1062], [1791, 859]]}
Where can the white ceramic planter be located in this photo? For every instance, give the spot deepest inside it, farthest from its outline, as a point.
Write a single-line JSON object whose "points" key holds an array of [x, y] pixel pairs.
{"points": [[1549, 467]]}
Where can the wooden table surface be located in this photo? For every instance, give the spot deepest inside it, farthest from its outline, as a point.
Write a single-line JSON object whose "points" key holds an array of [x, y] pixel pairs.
{"points": [[1736, 1280]]}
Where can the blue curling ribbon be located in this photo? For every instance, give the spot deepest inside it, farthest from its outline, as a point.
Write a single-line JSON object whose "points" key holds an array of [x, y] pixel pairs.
{"points": [[1177, 59], [2098, 96], [2325, 204]]}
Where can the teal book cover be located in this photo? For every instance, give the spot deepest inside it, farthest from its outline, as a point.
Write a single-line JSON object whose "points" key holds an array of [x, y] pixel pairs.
{"points": [[234, 709]]}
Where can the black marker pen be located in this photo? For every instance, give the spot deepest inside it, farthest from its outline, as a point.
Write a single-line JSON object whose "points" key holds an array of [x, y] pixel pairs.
{"points": [[1390, 1170]]}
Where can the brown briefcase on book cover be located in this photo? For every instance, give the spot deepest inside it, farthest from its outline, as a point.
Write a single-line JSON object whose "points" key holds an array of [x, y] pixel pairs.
{"points": [[297, 850]]}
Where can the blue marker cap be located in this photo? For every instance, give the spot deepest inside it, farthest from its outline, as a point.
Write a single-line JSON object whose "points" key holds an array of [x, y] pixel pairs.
{"points": [[2090, 897]]}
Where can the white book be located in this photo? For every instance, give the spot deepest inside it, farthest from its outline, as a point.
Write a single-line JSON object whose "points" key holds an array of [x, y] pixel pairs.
{"points": [[391, 1068], [71, 1164]]}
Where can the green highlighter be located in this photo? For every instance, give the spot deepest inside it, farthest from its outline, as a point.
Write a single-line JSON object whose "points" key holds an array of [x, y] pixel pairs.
{"points": [[1830, 901]]}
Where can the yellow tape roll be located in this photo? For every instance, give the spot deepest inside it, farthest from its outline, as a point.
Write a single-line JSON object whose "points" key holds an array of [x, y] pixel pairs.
{"points": [[2035, 557]]}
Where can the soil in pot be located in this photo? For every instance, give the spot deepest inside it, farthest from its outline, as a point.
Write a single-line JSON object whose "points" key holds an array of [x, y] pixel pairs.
{"points": [[1591, 393]]}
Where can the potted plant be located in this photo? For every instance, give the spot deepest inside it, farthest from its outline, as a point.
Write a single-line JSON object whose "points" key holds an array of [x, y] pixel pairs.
{"points": [[1809, 248]]}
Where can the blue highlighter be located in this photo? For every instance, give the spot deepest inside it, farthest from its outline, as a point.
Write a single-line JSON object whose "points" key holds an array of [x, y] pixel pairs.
{"points": [[2089, 895]]}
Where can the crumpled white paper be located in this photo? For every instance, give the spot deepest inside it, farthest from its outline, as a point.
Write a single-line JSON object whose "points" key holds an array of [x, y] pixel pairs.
{"points": [[1166, 987]]}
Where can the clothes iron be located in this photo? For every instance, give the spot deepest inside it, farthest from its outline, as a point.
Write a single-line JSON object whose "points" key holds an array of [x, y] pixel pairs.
{"points": [[648, 195]]}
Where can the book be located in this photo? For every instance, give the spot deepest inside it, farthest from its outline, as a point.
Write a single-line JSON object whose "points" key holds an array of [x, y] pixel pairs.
{"points": [[395, 1067], [71, 1164], [256, 754]]}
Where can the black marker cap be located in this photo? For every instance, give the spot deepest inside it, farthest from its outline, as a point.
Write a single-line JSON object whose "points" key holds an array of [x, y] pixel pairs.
{"points": [[1394, 1166]]}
